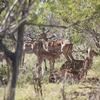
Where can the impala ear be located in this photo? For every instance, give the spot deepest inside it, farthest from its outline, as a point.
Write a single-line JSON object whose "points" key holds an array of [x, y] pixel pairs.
{"points": [[43, 30], [54, 35], [89, 49], [47, 31]]}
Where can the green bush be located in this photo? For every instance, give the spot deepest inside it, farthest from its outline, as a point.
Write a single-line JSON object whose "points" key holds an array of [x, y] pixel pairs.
{"points": [[76, 37], [3, 74], [24, 77]]}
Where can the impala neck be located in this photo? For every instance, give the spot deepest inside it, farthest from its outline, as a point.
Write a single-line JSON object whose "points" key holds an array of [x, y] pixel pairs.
{"points": [[89, 60], [46, 43], [90, 54], [55, 56], [46, 39]]}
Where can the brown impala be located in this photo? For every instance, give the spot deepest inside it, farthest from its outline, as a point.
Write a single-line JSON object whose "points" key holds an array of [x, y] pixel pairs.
{"points": [[59, 45], [73, 70], [78, 64], [31, 46], [36, 47]]}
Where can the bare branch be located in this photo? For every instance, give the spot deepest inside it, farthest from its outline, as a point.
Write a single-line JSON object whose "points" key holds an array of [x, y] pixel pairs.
{"points": [[14, 29], [2, 6], [5, 50], [8, 14], [12, 26], [70, 25], [23, 20]]}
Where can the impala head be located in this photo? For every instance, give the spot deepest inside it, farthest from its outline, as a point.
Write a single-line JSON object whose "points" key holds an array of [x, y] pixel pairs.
{"points": [[92, 53], [43, 35], [53, 77]]}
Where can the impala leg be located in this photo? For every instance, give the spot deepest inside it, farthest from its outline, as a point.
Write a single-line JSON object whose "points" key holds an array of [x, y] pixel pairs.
{"points": [[40, 86], [67, 57], [40, 60], [45, 64], [72, 58], [51, 66], [62, 47], [70, 55]]}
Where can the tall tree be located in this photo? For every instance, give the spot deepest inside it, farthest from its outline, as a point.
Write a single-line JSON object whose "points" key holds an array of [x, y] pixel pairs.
{"points": [[21, 10], [73, 15]]}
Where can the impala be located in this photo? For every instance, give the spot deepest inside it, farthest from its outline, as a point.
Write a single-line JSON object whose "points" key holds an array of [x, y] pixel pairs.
{"points": [[74, 70], [78, 64], [36, 47], [67, 75], [49, 56], [29, 48], [55, 46], [32, 46]]}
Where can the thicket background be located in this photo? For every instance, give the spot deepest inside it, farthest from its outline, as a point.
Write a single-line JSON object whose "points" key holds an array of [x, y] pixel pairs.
{"points": [[76, 20]]}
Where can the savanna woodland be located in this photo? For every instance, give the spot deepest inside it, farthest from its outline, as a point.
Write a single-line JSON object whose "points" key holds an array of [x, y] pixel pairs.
{"points": [[49, 50]]}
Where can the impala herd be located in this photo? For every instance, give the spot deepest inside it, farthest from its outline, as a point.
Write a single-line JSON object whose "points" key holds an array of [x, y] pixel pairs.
{"points": [[75, 70], [72, 69]]}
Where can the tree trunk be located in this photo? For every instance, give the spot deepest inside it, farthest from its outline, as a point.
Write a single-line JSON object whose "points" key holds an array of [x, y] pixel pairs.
{"points": [[16, 56], [15, 65]]}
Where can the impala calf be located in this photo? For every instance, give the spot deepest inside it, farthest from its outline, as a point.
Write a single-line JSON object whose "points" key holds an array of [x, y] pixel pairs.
{"points": [[70, 75], [78, 64], [75, 70], [66, 75]]}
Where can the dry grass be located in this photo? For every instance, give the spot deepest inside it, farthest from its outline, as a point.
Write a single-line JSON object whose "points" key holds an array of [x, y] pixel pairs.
{"points": [[53, 91]]}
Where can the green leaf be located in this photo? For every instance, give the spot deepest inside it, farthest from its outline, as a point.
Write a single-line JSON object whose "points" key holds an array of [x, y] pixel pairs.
{"points": [[98, 7]]}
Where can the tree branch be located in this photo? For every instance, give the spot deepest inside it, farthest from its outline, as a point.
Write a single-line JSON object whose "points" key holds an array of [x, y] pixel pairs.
{"points": [[6, 51], [8, 14], [70, 25], [13, 27], [2, 6]]}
